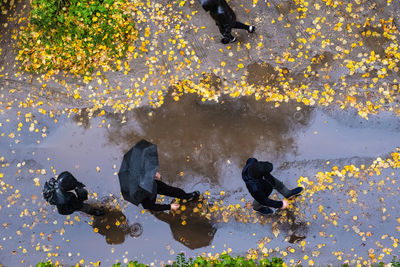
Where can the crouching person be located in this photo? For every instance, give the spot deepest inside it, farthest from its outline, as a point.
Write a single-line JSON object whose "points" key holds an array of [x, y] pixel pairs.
{"points": [[260, 183]]}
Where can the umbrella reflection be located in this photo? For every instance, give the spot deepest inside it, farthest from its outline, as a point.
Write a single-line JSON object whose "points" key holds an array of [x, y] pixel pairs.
{"points": [[196, 233], [114, 226]]}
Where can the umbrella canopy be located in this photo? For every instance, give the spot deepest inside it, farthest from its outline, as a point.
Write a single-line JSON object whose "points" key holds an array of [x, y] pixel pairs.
{"points": [[136, 175]]}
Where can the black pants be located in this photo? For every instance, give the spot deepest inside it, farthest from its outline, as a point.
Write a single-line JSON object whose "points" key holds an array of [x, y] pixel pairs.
{"points": [[226, 30], [275, 184], [239, 25], [167, 190], [163, 189]]}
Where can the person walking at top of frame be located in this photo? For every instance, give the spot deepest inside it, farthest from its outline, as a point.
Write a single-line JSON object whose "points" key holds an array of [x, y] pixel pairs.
{"points": [[167, 190], [225, 19], [260, 183]]}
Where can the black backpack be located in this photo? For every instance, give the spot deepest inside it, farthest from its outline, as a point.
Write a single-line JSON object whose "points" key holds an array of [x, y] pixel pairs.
{"points": [[49, 191]]}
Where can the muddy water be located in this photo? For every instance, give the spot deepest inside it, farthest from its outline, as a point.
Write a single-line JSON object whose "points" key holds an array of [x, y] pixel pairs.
{"points": [[202, 146]]}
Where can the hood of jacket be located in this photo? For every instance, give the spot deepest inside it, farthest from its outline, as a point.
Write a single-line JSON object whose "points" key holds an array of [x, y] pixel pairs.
{"points": [[245, 172]]}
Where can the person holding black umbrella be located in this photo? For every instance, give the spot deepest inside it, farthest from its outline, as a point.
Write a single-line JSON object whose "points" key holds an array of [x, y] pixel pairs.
{"points": [[260, 183], [140, 180]]}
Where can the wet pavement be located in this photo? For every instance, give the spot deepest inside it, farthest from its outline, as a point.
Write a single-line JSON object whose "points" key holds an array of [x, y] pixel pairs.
{"points": [[202, 146]]}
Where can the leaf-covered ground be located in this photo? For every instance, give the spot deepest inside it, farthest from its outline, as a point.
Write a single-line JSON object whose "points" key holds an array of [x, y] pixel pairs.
{"points": [[343, 53]]}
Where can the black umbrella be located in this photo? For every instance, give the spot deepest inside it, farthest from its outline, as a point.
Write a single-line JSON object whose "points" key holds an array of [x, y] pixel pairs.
{"points": [[136, 175]]}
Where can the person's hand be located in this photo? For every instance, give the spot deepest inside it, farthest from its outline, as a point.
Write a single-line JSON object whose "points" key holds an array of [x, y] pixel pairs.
{"points": [[285, 204], [158, 176], [175, 206]]}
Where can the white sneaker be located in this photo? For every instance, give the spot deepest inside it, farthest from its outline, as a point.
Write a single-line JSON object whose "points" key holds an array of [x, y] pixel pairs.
{"points": [[251, 29]]}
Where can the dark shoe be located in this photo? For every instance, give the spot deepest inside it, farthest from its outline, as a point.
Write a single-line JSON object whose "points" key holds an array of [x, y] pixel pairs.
{"points": [[295, 192], [98, 212], [265, 211], [192, 196], [251, 29], [226, 40]]}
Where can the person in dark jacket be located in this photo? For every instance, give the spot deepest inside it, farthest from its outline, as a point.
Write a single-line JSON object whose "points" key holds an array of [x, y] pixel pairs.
{"points": [[260, 183], [167, 190], [225, 19], [70, 195]]}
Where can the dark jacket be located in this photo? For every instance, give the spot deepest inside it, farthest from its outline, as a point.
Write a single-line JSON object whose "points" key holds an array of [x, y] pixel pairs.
{"points": [[66, 201], [222, 13], [260, 188]]}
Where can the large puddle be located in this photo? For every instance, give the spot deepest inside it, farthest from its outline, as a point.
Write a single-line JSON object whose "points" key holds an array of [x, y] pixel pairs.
{"points": [[202, 146]]}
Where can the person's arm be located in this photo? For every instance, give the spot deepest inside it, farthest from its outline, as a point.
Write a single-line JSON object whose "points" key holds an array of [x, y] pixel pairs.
{"points": [[71, 204], [264, 200], [82, 193], [151, 205], [79, 184]]}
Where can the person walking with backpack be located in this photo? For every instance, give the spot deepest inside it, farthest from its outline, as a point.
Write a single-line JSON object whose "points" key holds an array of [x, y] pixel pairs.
{"points": [[225, 19], [260, 183], [68, 194]]}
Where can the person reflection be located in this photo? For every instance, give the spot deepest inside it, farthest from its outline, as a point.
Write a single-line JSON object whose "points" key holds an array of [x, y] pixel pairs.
{"points": [[114, 226], [197, 232], [293, 225]]}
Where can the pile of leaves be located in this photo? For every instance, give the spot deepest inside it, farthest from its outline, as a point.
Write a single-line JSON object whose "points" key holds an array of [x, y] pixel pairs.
{"points": [[76, 35]]}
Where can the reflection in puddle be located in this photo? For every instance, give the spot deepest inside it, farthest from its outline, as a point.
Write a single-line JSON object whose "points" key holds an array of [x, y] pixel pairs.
{"points": [[115, 226], [296, 228], [191, 229], [195, 136]]}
